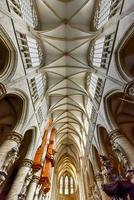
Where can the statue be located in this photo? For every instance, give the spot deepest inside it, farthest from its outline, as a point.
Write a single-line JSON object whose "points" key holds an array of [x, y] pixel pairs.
{"points": [[130, 175], [121, 156], [96, 196], [108, 170], [10, 159], [94, 192], [119, 188], [27, 181]]}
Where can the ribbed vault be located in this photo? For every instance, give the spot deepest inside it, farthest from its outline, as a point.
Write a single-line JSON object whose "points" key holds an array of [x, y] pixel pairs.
{"points": [[64, 30]]}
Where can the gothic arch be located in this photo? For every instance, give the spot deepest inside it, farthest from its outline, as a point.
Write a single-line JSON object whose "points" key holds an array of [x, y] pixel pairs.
{"points": [[8, 53], [106, 146], [125, 55], [13, 115], [96, 160], [103, 139], [104, 142], [90, 173], [30, 136], [11, 107], [120, 109], [21, 124], [111, 122]]}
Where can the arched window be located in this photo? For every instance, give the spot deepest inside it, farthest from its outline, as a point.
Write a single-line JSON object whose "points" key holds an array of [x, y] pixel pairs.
{"points": [[38, 87], [71, 185], [61, 185], [66, 185], [30, 50], [94, 86]]}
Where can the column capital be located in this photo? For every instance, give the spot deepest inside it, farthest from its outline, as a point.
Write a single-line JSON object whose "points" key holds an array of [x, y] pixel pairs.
{"points": [[2, 90], [27, 163], [115, 134], [35, 179], [17, 137]]}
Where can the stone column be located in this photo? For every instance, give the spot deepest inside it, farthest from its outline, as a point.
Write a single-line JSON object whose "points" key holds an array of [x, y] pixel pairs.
{"points": [[19, 180], [32, 188], [99, 180], [81, 186], [37, 192], [121, 139], [12, 140]]}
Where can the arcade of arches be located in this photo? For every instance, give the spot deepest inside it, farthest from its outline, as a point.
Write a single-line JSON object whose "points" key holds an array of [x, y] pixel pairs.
{"points": [[66, 100]]}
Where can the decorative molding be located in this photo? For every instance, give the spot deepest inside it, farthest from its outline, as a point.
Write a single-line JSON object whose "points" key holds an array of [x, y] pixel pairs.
{"points": [[17, 137], [27, 163], [121, 155], [35, 179], [114, 135]]}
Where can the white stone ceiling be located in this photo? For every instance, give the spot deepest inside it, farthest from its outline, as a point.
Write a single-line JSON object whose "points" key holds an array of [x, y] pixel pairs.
{"points": [[64, 29]]}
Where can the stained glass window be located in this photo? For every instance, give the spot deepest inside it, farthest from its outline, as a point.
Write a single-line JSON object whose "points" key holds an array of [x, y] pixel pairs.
{"points": [[66, 185]]}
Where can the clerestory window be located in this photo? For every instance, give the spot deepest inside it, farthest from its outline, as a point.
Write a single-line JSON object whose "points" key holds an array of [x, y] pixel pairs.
{"points": [[26, 10], [66, 185], [101, 51], [105, 10], [30, 50]]}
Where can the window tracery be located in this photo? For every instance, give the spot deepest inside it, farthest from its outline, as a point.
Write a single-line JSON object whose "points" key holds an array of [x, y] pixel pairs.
{"points": [[30, 50], [26, 10], [100, 51], [66, 185], [105, 10]]}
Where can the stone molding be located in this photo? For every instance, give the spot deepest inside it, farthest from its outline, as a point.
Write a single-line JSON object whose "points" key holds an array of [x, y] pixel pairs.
{"points": [[27, 163], [17, 137], [115, 134], [35, 179]]}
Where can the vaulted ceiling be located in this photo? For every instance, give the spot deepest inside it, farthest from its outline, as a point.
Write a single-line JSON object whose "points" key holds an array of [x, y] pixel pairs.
{"points": [[64, 30]]}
